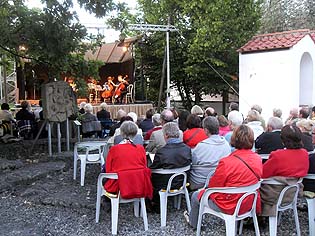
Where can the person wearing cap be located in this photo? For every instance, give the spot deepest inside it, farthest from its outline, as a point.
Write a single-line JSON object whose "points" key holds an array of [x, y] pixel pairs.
{"points": [[306, 127]]}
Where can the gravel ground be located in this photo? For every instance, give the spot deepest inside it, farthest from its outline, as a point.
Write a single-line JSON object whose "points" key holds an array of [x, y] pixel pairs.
{"points": [[57, 205]]}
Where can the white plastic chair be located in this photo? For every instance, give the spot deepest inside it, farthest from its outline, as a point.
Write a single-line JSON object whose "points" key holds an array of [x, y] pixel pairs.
{"points": [[230, 220], [129, 94], [115, 201], [168, 192], [280, 207], [87, 157], [311, 209]]}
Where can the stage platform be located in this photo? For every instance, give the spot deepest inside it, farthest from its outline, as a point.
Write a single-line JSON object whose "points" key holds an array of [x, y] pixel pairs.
{"points": [[139, 109]]}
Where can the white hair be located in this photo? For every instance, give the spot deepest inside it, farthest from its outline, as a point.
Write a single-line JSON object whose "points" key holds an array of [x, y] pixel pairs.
{"points": [[103, 105], [133, 116], [235, 117], [88, 108]]}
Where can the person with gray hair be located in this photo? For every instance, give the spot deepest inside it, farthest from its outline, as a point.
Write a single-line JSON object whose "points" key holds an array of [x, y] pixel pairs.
{"points": [[157, 138], [174, 154], [270, 140], [90, 123], [103, 114], [235, 119], [207, 153], [254, 122], [156, 121], [131, 132], [277, 112]]}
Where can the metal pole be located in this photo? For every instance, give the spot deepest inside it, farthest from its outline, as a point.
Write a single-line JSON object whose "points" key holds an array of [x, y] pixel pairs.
{"points": [[68, 135], [49, 139], [5, 79], [168, 80], [59, 137]]}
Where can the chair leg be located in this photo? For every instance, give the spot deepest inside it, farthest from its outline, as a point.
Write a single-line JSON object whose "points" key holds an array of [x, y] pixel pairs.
{"points": [[115, 208], [83, 166], [187, 200], [98, 204], [75, 165], [273, 225], [230, 226], [256, 224], [144, 214], [136, 208], [199, 222], [296, 219], [163, 208], [311, 215], [179, 201], [240, 230]]}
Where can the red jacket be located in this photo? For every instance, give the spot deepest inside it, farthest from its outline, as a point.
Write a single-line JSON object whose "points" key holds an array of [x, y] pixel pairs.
{"points": [[148, 134], [232, 172], [192, 137], [287, 163], [123, 157]]}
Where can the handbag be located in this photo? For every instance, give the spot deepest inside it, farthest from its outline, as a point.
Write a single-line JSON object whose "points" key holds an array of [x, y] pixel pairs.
{"points": [[248, 167]]}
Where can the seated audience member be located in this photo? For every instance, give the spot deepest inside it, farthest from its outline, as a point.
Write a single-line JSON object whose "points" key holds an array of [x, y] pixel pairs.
{"points": [[26, 121], [233, 106], [304, 113], [197, 110], [309, 184], [293, 116], [285, 165], [157, 139], [182, 118], [241, 168], [118, 138], [147, 123], [89, 126], [81, 107], [120, 114], [38, 111], [103, 114], [224, 125], [174, 154], [25, 113], [157, 126], [5, 114], [306, 126], [210, 112], [128, 156], [270, 140], [254, 122], [277, 112], [258, 108], [207, 152], [194, 134], [235, 119]]}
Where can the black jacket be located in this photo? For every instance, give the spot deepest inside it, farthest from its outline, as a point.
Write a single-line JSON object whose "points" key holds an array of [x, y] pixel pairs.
{"points": [[268, 142]]}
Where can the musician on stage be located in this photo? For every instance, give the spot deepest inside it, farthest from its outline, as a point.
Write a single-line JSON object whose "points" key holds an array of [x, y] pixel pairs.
{"points": [[109, 88], [121, 88]]}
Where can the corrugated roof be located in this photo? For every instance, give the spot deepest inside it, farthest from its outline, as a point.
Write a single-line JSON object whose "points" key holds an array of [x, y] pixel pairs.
{"points": [[278, 40], [112, 52]]}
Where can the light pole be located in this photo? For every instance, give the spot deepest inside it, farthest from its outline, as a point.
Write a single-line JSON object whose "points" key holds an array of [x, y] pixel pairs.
{"points": [[164, 28]]}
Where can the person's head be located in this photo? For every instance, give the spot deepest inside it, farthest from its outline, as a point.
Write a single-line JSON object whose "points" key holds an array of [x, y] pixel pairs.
{"points": [[103, 105], [25, 104], [235, 119], [233, 106], [253, 115], [210, 112], [277, 112], [210, 125], [121, 113], [88, 108], [149, 113], [242, 137], [156, 119], [128, 129], [291, 137], [274, 123], [82, 105], [170, 130], [305, 125], [257, 107], [294, 112], [5, 106], [197, 110], [166, 116], [182, 119], [313, 111], [124, 118], [223, 122], [304, 112], [193, 121], [133, 116]]}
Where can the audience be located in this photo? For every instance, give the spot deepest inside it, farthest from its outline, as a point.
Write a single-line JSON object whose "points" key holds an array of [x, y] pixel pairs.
{"points": [[285, 165], [120, 114], [254, 122], [25, 113], [147, 123], [90, 124], [293, 116], [207, 152], [157, 139], [5, 114], [270, 140], [194, 134], [174, 154], [304, 113], [306, 126], [233, 106], [224, 125], [210, 112], [277, 112], [197, 110], [118, 138], [182, 118], [81, 107], [241, 168], [235, 119], [103, 114], [156, 120], [258, 108]]}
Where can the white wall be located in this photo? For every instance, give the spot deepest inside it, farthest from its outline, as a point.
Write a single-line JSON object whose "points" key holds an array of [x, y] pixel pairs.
{"points": [[271, 79]]}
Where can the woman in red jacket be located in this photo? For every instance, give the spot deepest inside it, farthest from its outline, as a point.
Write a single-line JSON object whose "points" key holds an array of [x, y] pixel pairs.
{"points": [[231, 172], [128, 156], [194, 134]]}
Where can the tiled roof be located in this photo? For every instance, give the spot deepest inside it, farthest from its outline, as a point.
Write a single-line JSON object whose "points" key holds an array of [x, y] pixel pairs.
{"points": [[273, 41]]}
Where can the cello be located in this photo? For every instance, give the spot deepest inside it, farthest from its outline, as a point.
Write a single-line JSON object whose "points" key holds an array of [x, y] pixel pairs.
{"points": [[109, 88], [121, 87]]}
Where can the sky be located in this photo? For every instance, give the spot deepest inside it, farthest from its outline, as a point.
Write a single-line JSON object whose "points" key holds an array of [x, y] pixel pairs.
{"points": [[89, 21]]}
